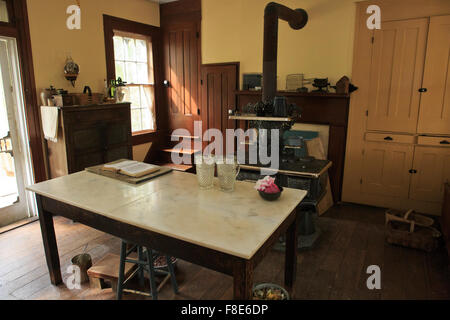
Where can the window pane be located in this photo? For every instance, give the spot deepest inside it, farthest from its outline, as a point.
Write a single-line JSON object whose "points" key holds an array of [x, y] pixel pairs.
{"points": [[120, 70], [147, 122], [130, 49], [141, 50], [118, 48], [142, 73], [3, 11], [136, 122], [134, 97], [130, 72], [148, 107]]}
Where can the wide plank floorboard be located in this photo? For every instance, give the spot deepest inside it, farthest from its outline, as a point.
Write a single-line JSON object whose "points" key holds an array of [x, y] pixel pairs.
{"points": [[352, 238]]}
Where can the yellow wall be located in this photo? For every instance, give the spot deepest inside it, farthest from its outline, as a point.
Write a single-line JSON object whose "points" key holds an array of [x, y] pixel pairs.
{"points": [[232, 30], [51, 41]]}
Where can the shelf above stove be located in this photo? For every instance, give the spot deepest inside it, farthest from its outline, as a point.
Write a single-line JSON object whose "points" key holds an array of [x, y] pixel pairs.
{"points": [[252, 117]]}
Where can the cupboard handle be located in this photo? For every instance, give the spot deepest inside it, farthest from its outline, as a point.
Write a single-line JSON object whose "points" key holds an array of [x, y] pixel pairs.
{"points": [[413, 171], [444, 142], [422, 90], [388, 139]]}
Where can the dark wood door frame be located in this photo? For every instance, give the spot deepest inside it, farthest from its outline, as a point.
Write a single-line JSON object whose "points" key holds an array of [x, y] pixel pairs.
{"points": [[113, 23], [18, 28], [176, 16]]}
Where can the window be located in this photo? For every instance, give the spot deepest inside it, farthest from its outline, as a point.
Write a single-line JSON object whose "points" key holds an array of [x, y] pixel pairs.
{"points": [[3, 11], [133, 61]]}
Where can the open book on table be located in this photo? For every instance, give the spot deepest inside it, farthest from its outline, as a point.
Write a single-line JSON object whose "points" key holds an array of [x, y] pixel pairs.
{"points": [[131, 168]]}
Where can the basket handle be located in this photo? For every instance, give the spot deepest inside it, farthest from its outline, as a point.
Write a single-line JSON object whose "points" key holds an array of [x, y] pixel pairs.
{"points": [[412, 226], [408, 213]]}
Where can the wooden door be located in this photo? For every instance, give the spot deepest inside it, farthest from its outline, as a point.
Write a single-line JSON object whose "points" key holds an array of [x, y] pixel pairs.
{"points": [[386, 169], [433, 170], [435, 103], [219, 85], [182, 56], [398, 56]]}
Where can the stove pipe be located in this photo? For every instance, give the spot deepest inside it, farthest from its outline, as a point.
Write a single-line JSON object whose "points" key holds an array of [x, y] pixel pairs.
{"points": [[297, 19]]}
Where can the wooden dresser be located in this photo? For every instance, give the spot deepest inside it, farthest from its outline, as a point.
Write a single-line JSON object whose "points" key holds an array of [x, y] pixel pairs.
{"points": [[89, 136]]}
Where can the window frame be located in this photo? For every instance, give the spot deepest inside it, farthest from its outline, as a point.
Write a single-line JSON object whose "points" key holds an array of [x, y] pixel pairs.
{"points": [[114, 24]]}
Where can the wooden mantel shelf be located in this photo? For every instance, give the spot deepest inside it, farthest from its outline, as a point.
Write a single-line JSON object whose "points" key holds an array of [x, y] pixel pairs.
{"points": [[252, 117], [296, 94]]}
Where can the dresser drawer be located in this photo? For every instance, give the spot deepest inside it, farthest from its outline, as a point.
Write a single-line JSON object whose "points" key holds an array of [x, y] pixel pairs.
{"points": [[434, 141], [389, 137]]}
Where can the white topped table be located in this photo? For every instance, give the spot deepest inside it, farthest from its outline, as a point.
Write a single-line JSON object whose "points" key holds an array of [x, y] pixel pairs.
{"points": [[226, 232]]}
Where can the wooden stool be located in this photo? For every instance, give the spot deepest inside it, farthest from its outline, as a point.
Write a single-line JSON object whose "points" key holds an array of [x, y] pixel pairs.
{"points": [[144, 262], [105, 273]]}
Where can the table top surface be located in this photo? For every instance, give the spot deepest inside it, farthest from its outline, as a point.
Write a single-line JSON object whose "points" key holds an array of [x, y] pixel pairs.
{"points": [[236, 223]]}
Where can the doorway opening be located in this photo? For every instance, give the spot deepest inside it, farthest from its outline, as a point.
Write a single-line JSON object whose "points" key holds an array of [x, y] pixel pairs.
{"points": [[15, 161]]}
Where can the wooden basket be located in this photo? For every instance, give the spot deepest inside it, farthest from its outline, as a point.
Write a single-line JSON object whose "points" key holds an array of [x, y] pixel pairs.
{"points": [[423, 238]]}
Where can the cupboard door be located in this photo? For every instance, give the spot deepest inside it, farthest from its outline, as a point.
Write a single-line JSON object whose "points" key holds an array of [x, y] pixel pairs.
{"points": [[435, 103], [433, 170], [396, 75], [386, 169]]}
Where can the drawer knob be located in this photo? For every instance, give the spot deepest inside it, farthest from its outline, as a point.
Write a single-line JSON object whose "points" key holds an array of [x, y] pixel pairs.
{"points": [[444, 142], [388, 139]]}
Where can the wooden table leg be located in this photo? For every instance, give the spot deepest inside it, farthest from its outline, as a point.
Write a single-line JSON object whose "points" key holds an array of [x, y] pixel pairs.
{"points": [[290, 271], [50, 246], [243, 280]]}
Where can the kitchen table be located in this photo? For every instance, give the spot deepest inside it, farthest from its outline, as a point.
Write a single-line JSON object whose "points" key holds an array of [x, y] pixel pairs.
{"points": [[226, 232]]}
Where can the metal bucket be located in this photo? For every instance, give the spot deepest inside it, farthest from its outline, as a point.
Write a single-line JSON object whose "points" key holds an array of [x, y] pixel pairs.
{"points": [[84, 262]]}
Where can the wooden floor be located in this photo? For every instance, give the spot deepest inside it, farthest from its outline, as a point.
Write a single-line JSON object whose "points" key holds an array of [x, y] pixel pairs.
{"points": [[352, 239]]}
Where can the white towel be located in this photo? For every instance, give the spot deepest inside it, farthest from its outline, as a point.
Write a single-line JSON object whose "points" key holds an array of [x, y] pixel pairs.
{"points": [[50, 121]]}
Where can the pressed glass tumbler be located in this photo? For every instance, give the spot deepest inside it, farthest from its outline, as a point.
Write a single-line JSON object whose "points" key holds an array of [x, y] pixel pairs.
{"points": [[205, 172]]}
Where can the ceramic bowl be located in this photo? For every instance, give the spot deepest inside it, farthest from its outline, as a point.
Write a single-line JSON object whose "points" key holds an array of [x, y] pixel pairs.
{"points": [[271, 196]]}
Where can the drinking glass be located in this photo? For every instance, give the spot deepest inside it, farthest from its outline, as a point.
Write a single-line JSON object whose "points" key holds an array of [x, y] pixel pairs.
{"points": [[227, 170], [205, 171]]}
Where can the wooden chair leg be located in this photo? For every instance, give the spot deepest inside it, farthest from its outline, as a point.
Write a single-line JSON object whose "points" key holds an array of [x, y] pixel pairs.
{"points": [[172, 274], [141, 267], [121, 279], [152, 274]]}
